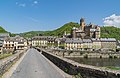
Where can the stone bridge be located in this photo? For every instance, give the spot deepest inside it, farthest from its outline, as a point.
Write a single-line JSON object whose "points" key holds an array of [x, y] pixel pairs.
{"points": [[74, 68]]}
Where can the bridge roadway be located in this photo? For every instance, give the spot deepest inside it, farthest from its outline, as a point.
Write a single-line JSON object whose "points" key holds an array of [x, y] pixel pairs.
{"points": [[34, 65]]}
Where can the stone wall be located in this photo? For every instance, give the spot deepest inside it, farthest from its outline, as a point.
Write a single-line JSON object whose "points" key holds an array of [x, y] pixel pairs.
{"points": [[82, 54], [6, 63], [74, 68]]}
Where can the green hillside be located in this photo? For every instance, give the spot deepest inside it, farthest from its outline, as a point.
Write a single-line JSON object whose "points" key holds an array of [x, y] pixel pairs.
{"points": [[106, 32], [2, 30], [32, 33], [60, 31], [110, 32]]}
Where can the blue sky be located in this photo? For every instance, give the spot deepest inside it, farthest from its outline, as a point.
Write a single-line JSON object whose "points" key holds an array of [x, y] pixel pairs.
{"points": [[29, 15]]}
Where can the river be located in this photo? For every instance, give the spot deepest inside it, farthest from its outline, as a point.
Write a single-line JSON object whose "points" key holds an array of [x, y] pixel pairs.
{"points": [[103, 62]]}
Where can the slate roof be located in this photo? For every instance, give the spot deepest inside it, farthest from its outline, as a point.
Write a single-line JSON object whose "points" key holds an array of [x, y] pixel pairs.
{"points": [[43, 38], [15, 39], [73, 40], [108, 40], [87, 40], [96, 40], [4, 34]]}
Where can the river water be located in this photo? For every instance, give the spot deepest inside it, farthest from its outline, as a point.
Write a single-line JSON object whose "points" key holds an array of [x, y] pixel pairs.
{"points": [[103, 62]]}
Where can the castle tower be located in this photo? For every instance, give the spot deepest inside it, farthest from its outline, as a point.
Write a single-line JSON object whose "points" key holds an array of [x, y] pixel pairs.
{"points": [[98, 32], [65, 34], [74, 32], [82, 24]]}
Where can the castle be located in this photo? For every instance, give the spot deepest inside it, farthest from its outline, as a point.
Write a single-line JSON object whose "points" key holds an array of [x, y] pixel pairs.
{"points": [[85, 31]]}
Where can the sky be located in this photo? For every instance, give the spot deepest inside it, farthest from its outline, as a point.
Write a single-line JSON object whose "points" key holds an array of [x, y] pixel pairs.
{"points": [[19, 16]]}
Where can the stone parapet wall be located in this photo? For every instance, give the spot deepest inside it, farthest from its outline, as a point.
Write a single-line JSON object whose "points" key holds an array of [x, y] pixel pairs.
{"points": [[6, 63], [74, 68]]}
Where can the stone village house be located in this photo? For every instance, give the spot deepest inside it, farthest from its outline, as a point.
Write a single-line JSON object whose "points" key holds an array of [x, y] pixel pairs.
{"points": [[91, 44], [14, 43]]}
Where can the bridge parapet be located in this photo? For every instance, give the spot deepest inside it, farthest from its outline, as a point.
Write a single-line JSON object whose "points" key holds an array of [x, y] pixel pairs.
{"points": [[74, 68], [6, 63]]}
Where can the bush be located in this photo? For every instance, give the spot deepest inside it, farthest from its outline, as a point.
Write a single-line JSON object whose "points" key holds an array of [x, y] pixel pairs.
{"points": [[66, 70], [81, 53], [100, 56], [78, 76], [110, 56], [115, 57], [86, 56]]}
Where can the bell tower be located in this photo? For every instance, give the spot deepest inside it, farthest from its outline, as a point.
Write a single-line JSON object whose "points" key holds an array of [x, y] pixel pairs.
{"points": [[82, 24]]}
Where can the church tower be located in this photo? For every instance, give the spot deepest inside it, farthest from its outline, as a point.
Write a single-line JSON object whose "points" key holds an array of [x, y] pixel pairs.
{"points": [[82, 24]]}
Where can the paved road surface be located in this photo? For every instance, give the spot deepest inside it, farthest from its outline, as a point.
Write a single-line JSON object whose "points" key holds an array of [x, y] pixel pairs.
{"points": [[34, 65]]}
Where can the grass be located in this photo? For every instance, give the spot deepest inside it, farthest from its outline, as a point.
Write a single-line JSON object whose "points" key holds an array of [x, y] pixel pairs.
{"points": [[2, 56], [113, 68], [77, 76]]}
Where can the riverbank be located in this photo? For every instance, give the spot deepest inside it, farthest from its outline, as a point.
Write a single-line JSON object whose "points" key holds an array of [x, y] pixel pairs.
{"points": [[108, 60], [91, 55], [85, 54], [103, 62]]}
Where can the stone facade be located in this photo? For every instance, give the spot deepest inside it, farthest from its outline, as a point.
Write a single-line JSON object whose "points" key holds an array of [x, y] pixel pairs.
{"points": [[8, 44], [2, 36], [78, 44], [108, 43], [14, 43], [90, 44], [96, 44], [43, 41], [1, 46], [86, 31]]}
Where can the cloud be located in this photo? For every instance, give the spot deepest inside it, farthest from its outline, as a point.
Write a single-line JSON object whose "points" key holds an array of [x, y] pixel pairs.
{"points": [[16, 3], [33, 19], [29, 3], [35, 2], [21, 4], [113, 20]]}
